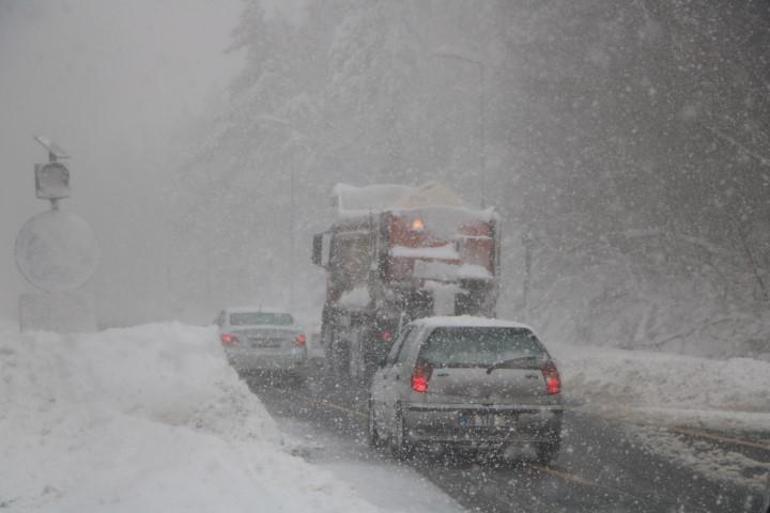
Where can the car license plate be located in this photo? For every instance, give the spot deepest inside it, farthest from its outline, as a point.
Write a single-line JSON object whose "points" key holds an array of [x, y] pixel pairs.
{"points": [[484, 420], [265, 342]]}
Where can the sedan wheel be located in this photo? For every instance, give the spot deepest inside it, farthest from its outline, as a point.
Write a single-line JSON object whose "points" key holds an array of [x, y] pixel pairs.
{"points": [[399, 445], [547, 451], [374, 437]]}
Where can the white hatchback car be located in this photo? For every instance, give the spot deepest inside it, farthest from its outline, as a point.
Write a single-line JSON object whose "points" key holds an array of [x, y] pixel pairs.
{"points": [[255, 339], [467, 382]]}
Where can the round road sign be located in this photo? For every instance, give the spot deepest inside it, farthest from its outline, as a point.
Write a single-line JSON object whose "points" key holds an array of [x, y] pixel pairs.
{"points": [[56, 251]]}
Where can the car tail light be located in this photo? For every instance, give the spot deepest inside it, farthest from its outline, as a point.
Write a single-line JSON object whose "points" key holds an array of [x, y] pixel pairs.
{"points": [[228, 339], [386, 336], [552, 379], [421, 377], [301, 340]]}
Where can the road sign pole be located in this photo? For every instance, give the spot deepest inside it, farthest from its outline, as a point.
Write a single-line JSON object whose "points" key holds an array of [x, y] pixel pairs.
{"points": [[56, 251]]}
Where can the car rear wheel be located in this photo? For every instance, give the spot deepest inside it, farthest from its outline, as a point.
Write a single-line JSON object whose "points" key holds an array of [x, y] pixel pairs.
{"points": [[399, 444], [548, 450], [357, 362], [298, 378]]}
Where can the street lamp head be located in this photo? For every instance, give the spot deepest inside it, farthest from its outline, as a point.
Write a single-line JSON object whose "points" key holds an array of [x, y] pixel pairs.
{"points": [[55, 152], [52, 181]]}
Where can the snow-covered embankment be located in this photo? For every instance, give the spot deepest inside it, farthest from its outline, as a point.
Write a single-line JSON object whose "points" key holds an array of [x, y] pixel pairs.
{"points": [[667, 388], [144, 419]]}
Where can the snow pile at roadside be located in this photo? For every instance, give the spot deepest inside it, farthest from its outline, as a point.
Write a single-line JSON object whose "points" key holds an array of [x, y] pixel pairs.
{"points": [[724, 393], [144, 419]]}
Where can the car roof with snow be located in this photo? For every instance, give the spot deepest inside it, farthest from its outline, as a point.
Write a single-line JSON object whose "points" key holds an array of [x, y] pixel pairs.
{"points": [[468, 321]]}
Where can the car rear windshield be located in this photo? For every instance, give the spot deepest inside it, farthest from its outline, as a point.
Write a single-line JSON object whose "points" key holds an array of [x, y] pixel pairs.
{"points": [[257, 318], [480, 347]]}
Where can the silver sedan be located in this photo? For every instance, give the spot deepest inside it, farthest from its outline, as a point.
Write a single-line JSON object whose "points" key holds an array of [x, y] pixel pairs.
{"points": [[262, 340]]}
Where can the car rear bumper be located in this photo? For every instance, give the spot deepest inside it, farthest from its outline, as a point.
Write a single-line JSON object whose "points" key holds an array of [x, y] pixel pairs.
{"points": [[244, 361], [474, 425]]}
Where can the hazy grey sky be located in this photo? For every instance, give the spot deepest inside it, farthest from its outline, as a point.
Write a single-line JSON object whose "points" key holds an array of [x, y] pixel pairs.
{"points": [[112, 82]]}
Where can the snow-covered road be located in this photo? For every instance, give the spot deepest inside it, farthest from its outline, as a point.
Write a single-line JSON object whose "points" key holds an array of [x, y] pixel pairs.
{"points": [[604, 466]]}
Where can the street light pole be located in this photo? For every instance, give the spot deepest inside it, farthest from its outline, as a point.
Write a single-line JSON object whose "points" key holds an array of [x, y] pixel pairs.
{"points": [[291, 237], [482, 130]]}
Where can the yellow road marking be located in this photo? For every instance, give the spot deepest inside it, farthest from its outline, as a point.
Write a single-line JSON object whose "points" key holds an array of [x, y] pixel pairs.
{"points": [[725, 439], [565, 475]]}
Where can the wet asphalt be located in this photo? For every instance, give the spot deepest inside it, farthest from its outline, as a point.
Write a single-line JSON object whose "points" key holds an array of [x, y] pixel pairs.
{"points": [[602, 467]]}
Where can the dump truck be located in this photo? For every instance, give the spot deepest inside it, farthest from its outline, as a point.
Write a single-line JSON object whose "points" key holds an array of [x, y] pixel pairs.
{"points": [[396, 253]]}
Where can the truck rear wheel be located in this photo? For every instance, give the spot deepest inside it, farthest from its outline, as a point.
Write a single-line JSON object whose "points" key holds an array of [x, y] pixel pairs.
{"points": [[357, 365], [373, 434], [339, 358]]}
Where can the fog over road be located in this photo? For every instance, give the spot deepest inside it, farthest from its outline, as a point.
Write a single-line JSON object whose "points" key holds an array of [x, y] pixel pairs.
{"points": [[597, 170], [601, 468]]}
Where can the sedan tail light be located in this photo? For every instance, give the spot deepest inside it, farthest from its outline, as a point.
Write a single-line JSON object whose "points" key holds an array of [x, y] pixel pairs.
{"points": [[301, 340], [421, 377], [228, 339], [552, 378]]}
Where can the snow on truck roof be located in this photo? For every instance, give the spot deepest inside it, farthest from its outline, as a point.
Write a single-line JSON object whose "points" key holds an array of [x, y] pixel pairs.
{"points": [[251, 309], [463, 321], [350, 200]]}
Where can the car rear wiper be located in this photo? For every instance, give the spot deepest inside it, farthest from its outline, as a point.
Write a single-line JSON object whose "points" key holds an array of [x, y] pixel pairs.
{"points": [[504, 363]]}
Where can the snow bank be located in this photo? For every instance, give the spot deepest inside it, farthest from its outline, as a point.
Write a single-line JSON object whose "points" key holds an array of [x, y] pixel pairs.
{"points": [[143, 419], [732, 393]]}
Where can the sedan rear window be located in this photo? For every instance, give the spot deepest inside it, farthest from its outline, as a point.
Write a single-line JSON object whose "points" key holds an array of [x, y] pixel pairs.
{"points": [[479, 347], [261, 318]]}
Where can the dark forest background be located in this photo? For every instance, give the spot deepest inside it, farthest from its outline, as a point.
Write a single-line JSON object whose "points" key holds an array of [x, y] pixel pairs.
{"points": [[626, 146]]}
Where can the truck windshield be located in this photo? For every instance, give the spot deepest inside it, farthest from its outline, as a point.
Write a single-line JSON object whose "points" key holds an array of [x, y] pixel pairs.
{"points": [[480, 347], [257, 318]]}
